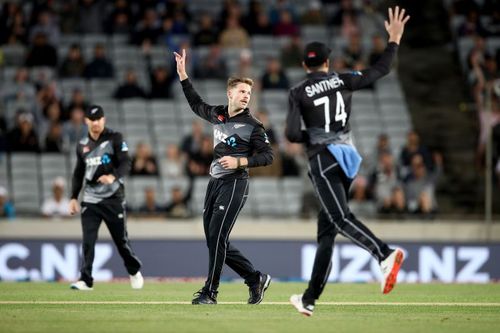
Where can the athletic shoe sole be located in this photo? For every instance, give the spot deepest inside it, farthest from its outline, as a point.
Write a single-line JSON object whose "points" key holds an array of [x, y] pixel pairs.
{"points": [[390, 282], [296, 301]]}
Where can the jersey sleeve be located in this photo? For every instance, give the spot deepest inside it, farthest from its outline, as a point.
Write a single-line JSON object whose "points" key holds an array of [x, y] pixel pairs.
{"points": [[78, 174], [293, 130], [202, 109], [262, 147], [360, 79], [123, 162]]}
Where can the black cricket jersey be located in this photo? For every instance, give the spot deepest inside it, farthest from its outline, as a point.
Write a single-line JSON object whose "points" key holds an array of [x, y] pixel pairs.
{"points": [[241, 135], [107, 155], [323, 102]]}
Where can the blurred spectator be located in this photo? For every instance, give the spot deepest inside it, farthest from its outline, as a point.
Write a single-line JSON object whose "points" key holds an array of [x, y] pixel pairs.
{"points": [[150, 207], [74, 129], [207, 34], [346, 8], [119, 20], [57, 205], [77, 100], [73, 65], [353, 52], [21, 89], [496, 152], [378, 47], [285, 25], [46, 25], [179, 26], [245, 67], [144, 162], [68, 17], [23, 138], [277, 9], [411, 148], [179, 206], [292, 53], [100, 67], [383, 145], [257, 21], [52, 115], [130, 88], [41, 53], [177, 6], [313, 15], [148, 29], [487, 121], [91, 15], [167, 36], [387, 187], [17, 30], [199, 163], [212, 65], [420, 187], [173, 163], [274, 77], [234, 36], [6, 207], [191, 143], [289, 156], [230, 9], [350, 26], [472, 25], [161, 78], [54, 139]]}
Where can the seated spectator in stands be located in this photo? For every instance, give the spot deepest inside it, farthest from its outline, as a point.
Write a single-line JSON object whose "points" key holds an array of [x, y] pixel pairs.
{"points": [[411, 148], [173, 163], [47, 96], [212, 65], [487, 121], [73, 65], [346, 8], [23, 137], [257, 21], [353, 52], [285, 25], [292, 53], [274, 77], [339, 64], [199, 163], [387, 186], [420, 187], [280, 6], [7, 210], [57, 205], [149, 28], [15, 29], [21, 89], [150, 206], [100, 67], [472, 25], [383, 145], [52, 115], [207, 34], [290, 157], [119, 20], [91, 16], [54, 140], [191, 143], [230, 9], [350, 26], [179, 26], [234, 36], [378, 47], [41, 53], [74, 129], [77, 101], [144, 162], [130, 88], [160, 77], [48, 26], [3, 136], [178, 207], [313, 15]]}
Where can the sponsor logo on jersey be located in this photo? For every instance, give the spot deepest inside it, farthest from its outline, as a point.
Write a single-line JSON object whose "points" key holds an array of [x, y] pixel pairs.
{"points": [[98, 160], [103, 145], [236, 126], [221, 118], [323, 86]]}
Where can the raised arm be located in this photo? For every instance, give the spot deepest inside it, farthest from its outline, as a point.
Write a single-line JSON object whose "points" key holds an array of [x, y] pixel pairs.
{"points": [[395, 28], [196, 103]]}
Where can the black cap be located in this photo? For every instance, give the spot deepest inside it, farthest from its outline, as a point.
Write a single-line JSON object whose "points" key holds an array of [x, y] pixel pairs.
{"points": [[315, 54], [94, 112]]}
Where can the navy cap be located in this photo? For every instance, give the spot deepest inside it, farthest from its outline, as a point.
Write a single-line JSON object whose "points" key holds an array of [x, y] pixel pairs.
{"points": [[315, 54], [94, 112]]}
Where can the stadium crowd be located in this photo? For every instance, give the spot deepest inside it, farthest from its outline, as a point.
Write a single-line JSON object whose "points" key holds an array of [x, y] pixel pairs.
{"points": [[40, 114]]}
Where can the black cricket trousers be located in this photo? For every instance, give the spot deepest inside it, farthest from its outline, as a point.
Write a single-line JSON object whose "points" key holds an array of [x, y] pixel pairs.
{"points": [[332, 188], [223, 202], [114, 215]]}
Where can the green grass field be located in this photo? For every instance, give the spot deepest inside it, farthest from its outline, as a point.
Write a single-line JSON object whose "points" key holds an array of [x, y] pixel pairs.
{"points": [[114, 307]]}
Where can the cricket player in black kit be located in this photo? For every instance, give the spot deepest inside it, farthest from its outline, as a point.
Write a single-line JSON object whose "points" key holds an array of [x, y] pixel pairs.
{"points": [[323, 102], [102, 163], [240, 142]]}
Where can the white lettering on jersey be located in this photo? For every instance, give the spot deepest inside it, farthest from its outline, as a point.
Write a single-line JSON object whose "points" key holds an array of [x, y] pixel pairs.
{"points": [[322, 86], [94, 161], [219, 135]]}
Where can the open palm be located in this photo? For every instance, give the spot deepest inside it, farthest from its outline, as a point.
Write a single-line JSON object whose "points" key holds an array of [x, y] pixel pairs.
{"points": [[396, 24]]}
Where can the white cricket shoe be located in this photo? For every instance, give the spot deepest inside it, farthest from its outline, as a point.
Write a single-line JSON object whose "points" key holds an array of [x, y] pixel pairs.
{"points": [[296, 301], [390, 268], [137, 281], [80, 285]]}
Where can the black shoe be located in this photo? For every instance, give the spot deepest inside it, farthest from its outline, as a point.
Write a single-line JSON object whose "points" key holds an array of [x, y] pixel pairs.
{"points": [[257, 290], [204, 296]]}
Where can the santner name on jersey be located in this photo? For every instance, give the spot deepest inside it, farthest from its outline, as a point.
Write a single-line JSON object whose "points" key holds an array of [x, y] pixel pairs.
{"points": [[322, 86]]}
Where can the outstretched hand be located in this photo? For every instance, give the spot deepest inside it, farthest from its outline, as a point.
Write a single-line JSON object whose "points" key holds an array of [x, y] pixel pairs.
{"points": [[396, 24], [181, 64]]}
